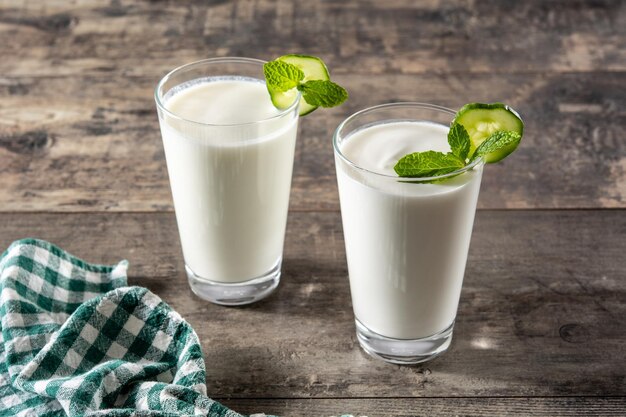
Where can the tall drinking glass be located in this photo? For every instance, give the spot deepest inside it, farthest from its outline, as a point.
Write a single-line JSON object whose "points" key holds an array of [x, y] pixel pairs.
{"points": [[229, 156], [407, 239]]}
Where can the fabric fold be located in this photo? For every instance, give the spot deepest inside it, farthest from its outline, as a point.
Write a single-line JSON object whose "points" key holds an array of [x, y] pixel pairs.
{"points": [[76, 341]]}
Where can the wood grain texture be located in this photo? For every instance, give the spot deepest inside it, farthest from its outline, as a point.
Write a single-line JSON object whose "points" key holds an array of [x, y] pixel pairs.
{"points": [[401, 36], [542, 317], [436, 407], [97, 146], [542, 312]]}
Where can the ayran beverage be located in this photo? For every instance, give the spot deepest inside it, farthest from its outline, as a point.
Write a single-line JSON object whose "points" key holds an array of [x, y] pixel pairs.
{"points": [[229, 155], [406, 239]]}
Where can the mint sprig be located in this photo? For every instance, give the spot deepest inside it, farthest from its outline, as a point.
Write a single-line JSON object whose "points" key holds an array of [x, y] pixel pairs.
{"points": [[496, 131], [433, 163], [497, 141], [282, 77], [459, 140], [427, 164], [323, 93]]}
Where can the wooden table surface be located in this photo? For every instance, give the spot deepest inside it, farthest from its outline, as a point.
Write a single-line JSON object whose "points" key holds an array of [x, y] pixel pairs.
{"points": [[541, 328]]}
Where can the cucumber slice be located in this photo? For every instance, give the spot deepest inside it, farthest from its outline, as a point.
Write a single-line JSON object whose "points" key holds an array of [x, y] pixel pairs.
{"points": [[313, 68], [481, 120], [284, 99]]}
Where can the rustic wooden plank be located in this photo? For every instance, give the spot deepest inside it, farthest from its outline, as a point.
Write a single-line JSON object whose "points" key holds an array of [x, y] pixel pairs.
{"points": [[97, 146], [400, 36], [435, 407], [542, 313]]}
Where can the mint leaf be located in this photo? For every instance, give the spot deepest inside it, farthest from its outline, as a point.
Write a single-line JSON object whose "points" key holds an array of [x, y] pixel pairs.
{"points": [[323, 93], [427, 164], [281, 76], [459, 140], [498, 145]]}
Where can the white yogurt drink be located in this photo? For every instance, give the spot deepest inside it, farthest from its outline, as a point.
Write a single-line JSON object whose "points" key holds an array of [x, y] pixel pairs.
{"points": [[229, 156], [407, 239]]}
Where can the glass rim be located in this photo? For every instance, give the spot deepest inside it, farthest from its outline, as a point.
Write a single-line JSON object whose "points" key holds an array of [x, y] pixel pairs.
{"points": [[404, 104], [232, 59]]}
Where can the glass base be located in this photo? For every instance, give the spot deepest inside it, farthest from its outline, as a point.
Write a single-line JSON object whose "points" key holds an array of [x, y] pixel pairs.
{"points": [[403, 351], [237, 293]]}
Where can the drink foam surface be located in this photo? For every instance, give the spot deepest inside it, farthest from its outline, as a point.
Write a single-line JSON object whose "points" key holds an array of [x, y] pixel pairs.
{"points": [[221, 100], [378, 148]]}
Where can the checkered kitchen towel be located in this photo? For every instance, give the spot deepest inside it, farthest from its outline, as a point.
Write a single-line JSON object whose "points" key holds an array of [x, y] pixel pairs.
{"points": [[76, 340]]}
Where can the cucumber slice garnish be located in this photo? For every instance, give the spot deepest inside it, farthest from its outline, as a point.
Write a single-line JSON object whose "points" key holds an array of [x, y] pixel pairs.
{"points": [[313, 68], [482, 120], [282, 100]]}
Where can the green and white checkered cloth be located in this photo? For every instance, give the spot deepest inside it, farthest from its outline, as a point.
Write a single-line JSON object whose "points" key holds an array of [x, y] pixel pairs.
{"points": [[77, 341]]}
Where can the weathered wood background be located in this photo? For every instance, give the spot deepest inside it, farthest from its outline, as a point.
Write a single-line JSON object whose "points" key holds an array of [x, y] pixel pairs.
{"points": [[542, 320]]}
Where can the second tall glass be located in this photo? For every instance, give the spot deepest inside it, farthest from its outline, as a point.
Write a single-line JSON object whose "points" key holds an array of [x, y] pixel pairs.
{"points": [[407, 239], [229, 156]]}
